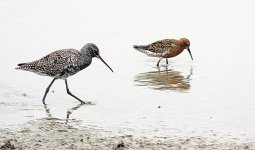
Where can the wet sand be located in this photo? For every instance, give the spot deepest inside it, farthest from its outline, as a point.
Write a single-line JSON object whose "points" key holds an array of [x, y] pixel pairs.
{"points": [[50, 134]]}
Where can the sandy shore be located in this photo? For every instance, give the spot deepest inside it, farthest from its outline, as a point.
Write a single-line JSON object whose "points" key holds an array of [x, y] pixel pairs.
{"points": [[49, 134]]}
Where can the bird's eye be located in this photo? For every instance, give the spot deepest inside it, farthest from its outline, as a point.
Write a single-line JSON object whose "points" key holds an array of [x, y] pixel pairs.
{"points": [[96, 52]]}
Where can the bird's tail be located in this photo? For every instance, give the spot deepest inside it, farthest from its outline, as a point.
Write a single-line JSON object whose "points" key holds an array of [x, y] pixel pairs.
{"points": [[26, 66], [20, 65], [141, 47], [146, 50]]}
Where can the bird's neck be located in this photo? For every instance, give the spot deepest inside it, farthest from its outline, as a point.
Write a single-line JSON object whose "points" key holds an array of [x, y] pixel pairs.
{"points": [[86, 55], [86, 52], [86, 60]]}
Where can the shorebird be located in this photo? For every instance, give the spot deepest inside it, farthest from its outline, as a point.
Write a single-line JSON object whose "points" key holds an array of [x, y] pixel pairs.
{"points": [[166, 48], [62, 64]]}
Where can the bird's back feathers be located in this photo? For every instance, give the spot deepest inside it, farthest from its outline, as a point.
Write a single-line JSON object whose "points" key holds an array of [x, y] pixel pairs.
{"points": [[156, 49], [60, 63]]}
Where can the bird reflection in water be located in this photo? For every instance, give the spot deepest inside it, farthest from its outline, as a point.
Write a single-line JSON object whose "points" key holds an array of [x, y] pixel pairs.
{"points": [[67, 119], [167, 79]]}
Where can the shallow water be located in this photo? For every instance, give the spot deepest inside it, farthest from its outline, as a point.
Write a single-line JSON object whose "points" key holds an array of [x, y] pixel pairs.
{"points": [[214, 94]]}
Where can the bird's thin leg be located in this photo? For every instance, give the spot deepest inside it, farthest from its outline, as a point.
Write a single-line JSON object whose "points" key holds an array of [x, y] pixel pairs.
{"points": [[159, 61], [166, 61], [68, 92], [47, 90]]}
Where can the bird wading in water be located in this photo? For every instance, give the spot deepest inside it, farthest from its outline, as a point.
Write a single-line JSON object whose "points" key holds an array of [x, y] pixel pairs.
{"points": [[62, 64], [166, 48]]}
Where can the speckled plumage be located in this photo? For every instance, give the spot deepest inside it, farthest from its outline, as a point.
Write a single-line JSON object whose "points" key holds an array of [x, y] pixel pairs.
{"points": [[166, 48], [63, 63], [59, 64]]}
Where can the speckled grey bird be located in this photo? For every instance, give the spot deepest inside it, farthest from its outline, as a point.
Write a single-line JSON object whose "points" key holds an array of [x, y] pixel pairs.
{"points": [[166, 48], [62, 64]]}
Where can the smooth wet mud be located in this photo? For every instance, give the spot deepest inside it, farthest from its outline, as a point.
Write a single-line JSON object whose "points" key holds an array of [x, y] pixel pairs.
{"points": [[68, 133]]}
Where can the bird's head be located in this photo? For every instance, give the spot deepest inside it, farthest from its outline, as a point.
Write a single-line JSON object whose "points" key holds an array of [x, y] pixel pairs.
{"points": [[93, 50], [186, 43]]}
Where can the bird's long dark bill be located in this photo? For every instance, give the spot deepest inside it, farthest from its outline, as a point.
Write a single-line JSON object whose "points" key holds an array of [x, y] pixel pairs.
{"points": [[190, 54], [99, 57]]}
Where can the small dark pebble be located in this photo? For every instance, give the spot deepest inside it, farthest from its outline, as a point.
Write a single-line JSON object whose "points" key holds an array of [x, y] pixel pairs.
{"points": [[159, 107], [120, 145], [7, 145], [24, 94], [129, 135]]}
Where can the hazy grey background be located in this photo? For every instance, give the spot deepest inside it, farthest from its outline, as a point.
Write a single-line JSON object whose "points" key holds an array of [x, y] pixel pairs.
{"points": [[219, 94]]}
